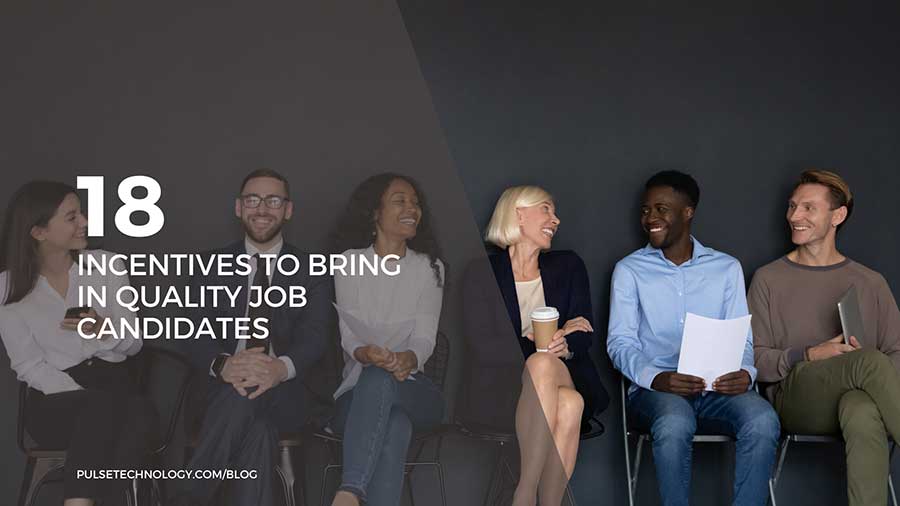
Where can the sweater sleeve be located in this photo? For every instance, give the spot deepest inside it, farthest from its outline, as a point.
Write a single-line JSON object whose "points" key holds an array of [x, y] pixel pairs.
{"points": [[773, 363]]}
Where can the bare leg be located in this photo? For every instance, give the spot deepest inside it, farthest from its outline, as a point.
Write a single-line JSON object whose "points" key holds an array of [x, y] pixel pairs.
{"points": [[566, 437], [542, 381], [78, 501], [344, 498]]}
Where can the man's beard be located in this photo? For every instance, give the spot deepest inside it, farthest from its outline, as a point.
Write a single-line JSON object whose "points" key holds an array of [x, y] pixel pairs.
{"points": [[263, 237]]}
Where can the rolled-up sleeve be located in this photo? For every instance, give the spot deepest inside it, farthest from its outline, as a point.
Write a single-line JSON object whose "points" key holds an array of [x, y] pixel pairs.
{"points": [[624, 347]]}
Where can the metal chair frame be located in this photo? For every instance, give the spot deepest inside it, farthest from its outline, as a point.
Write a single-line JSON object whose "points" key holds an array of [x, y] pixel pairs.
{"points": [[632, 473], [494, 495], [42, 463], [436, 370], [786, 441]]}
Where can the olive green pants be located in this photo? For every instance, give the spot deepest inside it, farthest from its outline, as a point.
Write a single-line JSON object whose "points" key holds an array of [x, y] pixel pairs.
{"points": [[856, 394]]}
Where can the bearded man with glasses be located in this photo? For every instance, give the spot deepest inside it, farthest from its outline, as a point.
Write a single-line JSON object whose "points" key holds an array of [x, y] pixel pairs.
{"points": [[251, 390]]}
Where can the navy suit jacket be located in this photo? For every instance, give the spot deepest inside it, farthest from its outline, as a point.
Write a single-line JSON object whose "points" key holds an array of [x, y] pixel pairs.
{"points": [[490, 332], [302, 333]]}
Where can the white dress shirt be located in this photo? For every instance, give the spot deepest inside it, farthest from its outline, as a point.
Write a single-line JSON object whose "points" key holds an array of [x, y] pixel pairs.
{"points": [[40, 350], [382, 301], [256, 264]]}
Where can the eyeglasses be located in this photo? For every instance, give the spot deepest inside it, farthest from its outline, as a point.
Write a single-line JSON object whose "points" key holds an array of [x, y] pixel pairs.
{"points": [[252, 201]]}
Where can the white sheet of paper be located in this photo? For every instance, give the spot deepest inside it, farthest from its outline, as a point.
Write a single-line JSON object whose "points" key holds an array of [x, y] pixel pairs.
{"points": [[358, 327], [712, 347]]}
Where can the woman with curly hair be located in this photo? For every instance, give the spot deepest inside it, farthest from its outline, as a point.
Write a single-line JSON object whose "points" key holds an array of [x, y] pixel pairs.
{"points": [[384, 395]]}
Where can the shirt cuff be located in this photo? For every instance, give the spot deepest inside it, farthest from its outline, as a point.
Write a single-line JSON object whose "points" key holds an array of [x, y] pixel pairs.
{"points": [[644, 378], [292, 372], [421, 357], [794, 356], [752, 371], [211, 364]]}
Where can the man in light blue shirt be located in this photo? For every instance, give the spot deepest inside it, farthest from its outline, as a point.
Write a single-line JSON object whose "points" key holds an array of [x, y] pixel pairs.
{"points": [[653, 289]]}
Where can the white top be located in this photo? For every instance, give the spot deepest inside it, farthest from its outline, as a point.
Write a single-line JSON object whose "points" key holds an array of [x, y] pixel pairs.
{"points": [[39, 349], [385, 303], [531, 296]]}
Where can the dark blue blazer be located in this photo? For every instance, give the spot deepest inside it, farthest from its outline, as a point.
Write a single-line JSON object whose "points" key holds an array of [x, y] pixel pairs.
{"points": [[300, 333], [492, 333]]}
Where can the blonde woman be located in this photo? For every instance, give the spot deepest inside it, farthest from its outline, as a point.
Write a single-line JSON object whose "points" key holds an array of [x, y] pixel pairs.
{"points": [[561, 382]]}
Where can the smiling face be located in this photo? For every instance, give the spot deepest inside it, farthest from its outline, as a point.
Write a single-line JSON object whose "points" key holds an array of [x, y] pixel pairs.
{"points": [[400, 212], [665, 216], [263, 223], [66, 230], [810, 216], [538, 224]]}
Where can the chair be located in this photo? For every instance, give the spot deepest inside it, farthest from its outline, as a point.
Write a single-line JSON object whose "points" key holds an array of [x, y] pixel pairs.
{"points": [[632, 473], [42, 462], [284, 467], [436, 370], [787, 439]]}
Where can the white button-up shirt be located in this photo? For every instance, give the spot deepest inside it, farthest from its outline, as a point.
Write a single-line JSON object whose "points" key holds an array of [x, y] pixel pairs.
{"points": [[40, 349]]}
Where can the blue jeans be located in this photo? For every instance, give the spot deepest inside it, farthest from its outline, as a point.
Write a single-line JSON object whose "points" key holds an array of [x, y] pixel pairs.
{"points": [[378, 417], [672, 421]]}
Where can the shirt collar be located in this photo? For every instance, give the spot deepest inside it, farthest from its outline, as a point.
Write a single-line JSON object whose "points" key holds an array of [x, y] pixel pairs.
{"points": [[699, 251], [252, 250]]}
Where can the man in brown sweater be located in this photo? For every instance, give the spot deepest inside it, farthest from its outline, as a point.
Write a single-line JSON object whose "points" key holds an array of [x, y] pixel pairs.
{"points": [[821, 383]]}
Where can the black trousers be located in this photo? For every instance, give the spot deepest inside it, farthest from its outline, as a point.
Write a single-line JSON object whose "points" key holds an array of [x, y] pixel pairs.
{"points": [[234, 432], [108, 425]]}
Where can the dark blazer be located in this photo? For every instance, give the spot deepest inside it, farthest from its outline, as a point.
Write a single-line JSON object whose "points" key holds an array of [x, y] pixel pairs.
{"points": [[301, 333], [493, 328]]}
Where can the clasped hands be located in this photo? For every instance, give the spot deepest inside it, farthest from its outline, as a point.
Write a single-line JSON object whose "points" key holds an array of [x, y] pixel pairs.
{"points": [[401, 364], [253, 368]]}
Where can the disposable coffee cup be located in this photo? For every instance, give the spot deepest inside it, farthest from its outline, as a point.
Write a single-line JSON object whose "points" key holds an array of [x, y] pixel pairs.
{"points": [[544, 322]]}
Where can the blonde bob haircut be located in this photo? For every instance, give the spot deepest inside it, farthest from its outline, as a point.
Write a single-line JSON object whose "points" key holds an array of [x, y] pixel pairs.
{"points": [[503, 229]]}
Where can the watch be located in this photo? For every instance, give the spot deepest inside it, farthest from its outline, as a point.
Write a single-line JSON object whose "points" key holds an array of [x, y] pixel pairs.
{"points": [[219, 363]]}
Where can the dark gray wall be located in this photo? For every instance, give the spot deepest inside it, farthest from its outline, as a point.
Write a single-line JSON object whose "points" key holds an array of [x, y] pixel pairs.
{"points": [[588, 99]]}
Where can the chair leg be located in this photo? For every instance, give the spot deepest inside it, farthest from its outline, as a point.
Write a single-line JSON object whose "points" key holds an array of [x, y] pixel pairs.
{"points": [[39, 470], [890, 478], [773, 481], [156, 494], [440, 471], [512, 480], [131, 493], [636, 472], [25, 491], [286, 472], [497, 470], [891, 488], [570, 495], [329, 467]]}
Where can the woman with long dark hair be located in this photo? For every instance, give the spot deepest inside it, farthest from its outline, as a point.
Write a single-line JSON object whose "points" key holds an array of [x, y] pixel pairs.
{"points": [[384, 396], [81, 396]]}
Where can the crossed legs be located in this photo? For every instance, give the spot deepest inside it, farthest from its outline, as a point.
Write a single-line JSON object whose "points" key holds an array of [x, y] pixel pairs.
{"points": [[547, 390]]}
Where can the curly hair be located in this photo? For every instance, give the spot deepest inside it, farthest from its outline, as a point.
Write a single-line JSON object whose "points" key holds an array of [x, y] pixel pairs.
{"points": [[355, 228]]}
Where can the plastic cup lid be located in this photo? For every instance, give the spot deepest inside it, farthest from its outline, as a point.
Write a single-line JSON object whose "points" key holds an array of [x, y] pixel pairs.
{"points": [[545, 314]]}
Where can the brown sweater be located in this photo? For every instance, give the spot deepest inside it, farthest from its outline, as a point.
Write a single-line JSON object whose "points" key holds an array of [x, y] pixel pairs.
{"points": [[795, 306]]}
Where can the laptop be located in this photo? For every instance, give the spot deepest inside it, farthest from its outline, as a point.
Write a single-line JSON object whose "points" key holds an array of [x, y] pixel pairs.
{"points": [[851, 319]]}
